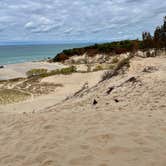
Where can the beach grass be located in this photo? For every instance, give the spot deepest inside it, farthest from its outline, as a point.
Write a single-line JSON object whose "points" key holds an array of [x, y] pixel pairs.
{"points": [[8, 96], [45, 73]]}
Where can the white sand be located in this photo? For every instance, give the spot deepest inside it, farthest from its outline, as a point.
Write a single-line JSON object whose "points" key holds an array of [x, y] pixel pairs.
{"points": [[131, 132], [19, 70]]}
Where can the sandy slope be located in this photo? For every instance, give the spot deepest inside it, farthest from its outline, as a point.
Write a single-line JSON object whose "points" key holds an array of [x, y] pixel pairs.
{"points": [[127, 127], [70, 84]]}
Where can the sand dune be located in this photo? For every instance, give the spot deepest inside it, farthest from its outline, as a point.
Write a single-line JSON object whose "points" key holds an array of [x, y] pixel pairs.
{"points": [[70, 84], [125, 127]]}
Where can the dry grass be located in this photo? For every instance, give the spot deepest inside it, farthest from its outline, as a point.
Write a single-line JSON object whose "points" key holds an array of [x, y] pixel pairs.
{"points": [[113, 72], [98, 68], [8, 96], [115, 60], [20, 90]]}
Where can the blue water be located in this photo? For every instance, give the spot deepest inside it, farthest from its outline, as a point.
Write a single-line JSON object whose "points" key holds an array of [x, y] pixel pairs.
{"points": [[25, 53]]}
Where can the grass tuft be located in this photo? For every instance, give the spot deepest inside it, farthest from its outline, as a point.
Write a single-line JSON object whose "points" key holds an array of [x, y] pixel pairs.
{"points": [[109, 74], [8, 96], [46, 73]]}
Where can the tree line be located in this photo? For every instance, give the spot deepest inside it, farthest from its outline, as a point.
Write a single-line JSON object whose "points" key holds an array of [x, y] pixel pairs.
{"points": [[156, 41]]}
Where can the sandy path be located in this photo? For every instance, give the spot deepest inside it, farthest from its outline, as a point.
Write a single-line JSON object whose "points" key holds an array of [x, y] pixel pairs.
{"points": [[130, 132]]}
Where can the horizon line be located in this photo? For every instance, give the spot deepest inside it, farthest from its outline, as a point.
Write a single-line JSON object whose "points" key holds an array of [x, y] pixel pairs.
{"points": [[8, 43]]}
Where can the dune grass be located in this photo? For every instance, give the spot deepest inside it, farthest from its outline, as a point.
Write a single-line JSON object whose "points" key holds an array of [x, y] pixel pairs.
{"points": [[45, 73], [8, 96], [114, 71]]}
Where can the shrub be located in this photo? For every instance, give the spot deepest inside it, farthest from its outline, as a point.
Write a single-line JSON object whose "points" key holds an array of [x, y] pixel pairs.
{"points": [[68, 70], [97, 68], [36, 72], [107, 75], [123, 62], [118, 47], [115, 60], [114, 72], [112, 66], [45, 73]]}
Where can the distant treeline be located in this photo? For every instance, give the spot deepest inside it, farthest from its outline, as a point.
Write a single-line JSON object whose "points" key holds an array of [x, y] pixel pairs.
{"points": [[157, 41]]}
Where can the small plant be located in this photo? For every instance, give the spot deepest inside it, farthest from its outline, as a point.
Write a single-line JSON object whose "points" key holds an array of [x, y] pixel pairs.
{"points": [[8, 96], [122, 63], [107, 75], [88, 67], [97, 68], [111, 67], [36, 72], [46, 73], [115, 60], [115, 71], [68, 70]]}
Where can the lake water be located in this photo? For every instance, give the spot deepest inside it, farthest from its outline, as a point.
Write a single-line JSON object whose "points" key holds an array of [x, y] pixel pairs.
{"points": [[25, 53]]}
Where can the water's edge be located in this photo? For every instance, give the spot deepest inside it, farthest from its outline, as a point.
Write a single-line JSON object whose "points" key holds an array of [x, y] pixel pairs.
{"points": [[27, 53]]}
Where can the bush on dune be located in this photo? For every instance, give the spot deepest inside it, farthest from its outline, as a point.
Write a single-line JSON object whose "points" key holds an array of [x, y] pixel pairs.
{"points": [[109, 74], [156, 41], [115, 60], [118, 47], [68, 70], [98, 68], [46, 73], [36, 72]]}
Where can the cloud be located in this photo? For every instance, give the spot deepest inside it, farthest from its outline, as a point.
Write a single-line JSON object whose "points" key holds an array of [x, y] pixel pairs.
{"points": [[41, 24], [78, 20]]}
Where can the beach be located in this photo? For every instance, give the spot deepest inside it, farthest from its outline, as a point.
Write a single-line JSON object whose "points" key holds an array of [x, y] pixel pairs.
{"points": [[17, 70], [82, 83], [125, 126]]}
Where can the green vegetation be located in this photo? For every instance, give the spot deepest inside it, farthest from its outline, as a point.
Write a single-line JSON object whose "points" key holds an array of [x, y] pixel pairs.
{"points": [[112, 66], [157, 41], [106, 48], [46, 73], [68, 70], [36, 72], [8, 96], [115, 60], [97, 68]]}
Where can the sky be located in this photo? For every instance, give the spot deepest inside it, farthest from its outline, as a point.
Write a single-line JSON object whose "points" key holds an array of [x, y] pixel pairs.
{"points": [[78, 20]]}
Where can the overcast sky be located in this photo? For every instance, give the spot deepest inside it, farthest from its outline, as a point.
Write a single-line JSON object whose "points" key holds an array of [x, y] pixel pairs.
{"points": [[78, 20]]}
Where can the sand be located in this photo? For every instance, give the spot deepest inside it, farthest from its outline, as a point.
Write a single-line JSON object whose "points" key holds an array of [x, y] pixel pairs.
{"points": [[19, 70], [70, 84], [126, 127]]}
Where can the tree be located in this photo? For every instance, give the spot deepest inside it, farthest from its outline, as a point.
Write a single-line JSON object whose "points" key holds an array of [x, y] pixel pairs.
{"points": [[147, 40]]}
